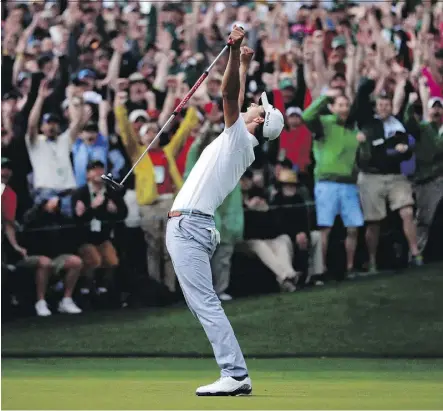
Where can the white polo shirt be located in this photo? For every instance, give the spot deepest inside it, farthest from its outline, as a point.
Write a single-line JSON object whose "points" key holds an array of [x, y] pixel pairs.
{"points": [[218, 170], [51, 162]]}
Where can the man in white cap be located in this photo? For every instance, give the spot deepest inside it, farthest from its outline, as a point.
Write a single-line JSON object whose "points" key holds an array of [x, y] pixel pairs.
{"points": [[191, 236]]}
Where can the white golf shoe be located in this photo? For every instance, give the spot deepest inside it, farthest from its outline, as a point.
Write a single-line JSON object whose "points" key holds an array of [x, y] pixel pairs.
{"points": [[226, 386], [41, 308], [68, 306]]}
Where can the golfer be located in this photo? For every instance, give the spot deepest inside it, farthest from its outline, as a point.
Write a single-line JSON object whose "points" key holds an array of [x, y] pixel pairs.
{"points": [[191, 236]]}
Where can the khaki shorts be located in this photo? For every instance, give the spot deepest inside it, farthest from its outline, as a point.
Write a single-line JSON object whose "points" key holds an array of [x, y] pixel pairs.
{"points": [[375, 189], [58, 263], [97, 256]]}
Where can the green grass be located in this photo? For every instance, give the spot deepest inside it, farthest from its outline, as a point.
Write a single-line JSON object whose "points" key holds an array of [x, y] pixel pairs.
{"points": [[391, 315], [170, 384]]}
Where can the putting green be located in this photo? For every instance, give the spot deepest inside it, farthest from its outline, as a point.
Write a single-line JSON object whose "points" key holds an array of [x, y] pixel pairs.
{"points": [[133, 384]]}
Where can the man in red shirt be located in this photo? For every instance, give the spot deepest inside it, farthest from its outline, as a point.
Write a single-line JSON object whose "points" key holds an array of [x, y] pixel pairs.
{"points": [[296, 140], [43, 266]]}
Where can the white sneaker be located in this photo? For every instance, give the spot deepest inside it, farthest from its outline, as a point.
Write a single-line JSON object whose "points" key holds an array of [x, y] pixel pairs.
{"points": [[68, 306], [224, 297], [226, 386], [41, 308]]}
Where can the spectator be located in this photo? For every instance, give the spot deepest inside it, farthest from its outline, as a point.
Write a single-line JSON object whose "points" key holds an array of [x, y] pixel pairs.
{"points": [[335, 148], [49, 152], [42, 265], [429, 150], [52, 234], [296, 140], [292, 217], [229, 218], [384, 145], [93, 144], [157, 179], [97, 211], [263, 239]]}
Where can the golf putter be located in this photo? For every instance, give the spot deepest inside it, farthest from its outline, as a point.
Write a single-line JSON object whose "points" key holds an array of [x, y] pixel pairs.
{"points": [[108, 178]]}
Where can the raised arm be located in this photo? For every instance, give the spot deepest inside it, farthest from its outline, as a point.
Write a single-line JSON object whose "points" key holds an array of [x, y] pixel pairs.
{"points": [[126, 131], [21, 47], [34, 118], [76, 110], [411, 123], [231, 79], [246, 55], [311, 116]]}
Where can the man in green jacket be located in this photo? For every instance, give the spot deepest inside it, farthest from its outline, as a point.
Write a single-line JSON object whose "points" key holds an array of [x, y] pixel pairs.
{"points": [[229, 221], [429, 163], [335, 147]]}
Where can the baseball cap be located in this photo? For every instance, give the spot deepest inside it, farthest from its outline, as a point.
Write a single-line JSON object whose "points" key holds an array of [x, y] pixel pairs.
{"points": [[274, 121], [86, 73], [136, 114], [294, 110], [6, 163], [95, 164], [91, 125], [50, 118], [338, 41], [285, 83], [136, 78], [148, 126], [435, 100]]}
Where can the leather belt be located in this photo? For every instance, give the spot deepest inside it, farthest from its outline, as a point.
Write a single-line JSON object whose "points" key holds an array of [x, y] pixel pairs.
{"points": [[179, 213]]}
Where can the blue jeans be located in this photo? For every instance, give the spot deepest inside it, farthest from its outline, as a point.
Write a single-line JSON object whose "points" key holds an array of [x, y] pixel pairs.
{"points": [[191, 241]]}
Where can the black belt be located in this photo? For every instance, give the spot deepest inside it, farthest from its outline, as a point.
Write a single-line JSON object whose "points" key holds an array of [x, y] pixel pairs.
{"points": [[179, 213]]}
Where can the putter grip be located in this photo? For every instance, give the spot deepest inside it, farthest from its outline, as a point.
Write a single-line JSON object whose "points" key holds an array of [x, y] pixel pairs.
{"points": [[230, 41]]}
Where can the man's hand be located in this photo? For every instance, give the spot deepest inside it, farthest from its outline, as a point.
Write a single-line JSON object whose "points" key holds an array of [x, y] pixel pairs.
{"points": [[111, 207], [373, 74], [413, 97], [246, 55], [80, 208], [118, 44], [121, 98], [318, 38], [361, 138], [98, 201], [236, 37], [401, 148], [44, 91], [333, 92], [302, 241], [21, 250], [52, 204]]}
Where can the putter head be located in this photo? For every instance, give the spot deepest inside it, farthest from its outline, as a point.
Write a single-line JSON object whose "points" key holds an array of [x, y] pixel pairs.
{"points": [[110, 182]]}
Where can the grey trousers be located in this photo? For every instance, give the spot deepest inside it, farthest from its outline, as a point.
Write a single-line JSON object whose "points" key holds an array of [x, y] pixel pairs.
{"points": [[428, 197], [191, 242], [221, 267]]}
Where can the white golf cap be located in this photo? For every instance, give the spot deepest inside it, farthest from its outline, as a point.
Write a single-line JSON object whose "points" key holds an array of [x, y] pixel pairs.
{"points": [[434, 100], [136, 114], [274, 121], [294, 110]]}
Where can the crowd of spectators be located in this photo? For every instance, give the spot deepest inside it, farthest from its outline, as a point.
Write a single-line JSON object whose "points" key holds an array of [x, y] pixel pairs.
{"points": [[86, 86]]}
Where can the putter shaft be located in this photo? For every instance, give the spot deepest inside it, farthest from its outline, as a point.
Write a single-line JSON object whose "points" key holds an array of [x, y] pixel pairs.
{"points": [[177, 110]]}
